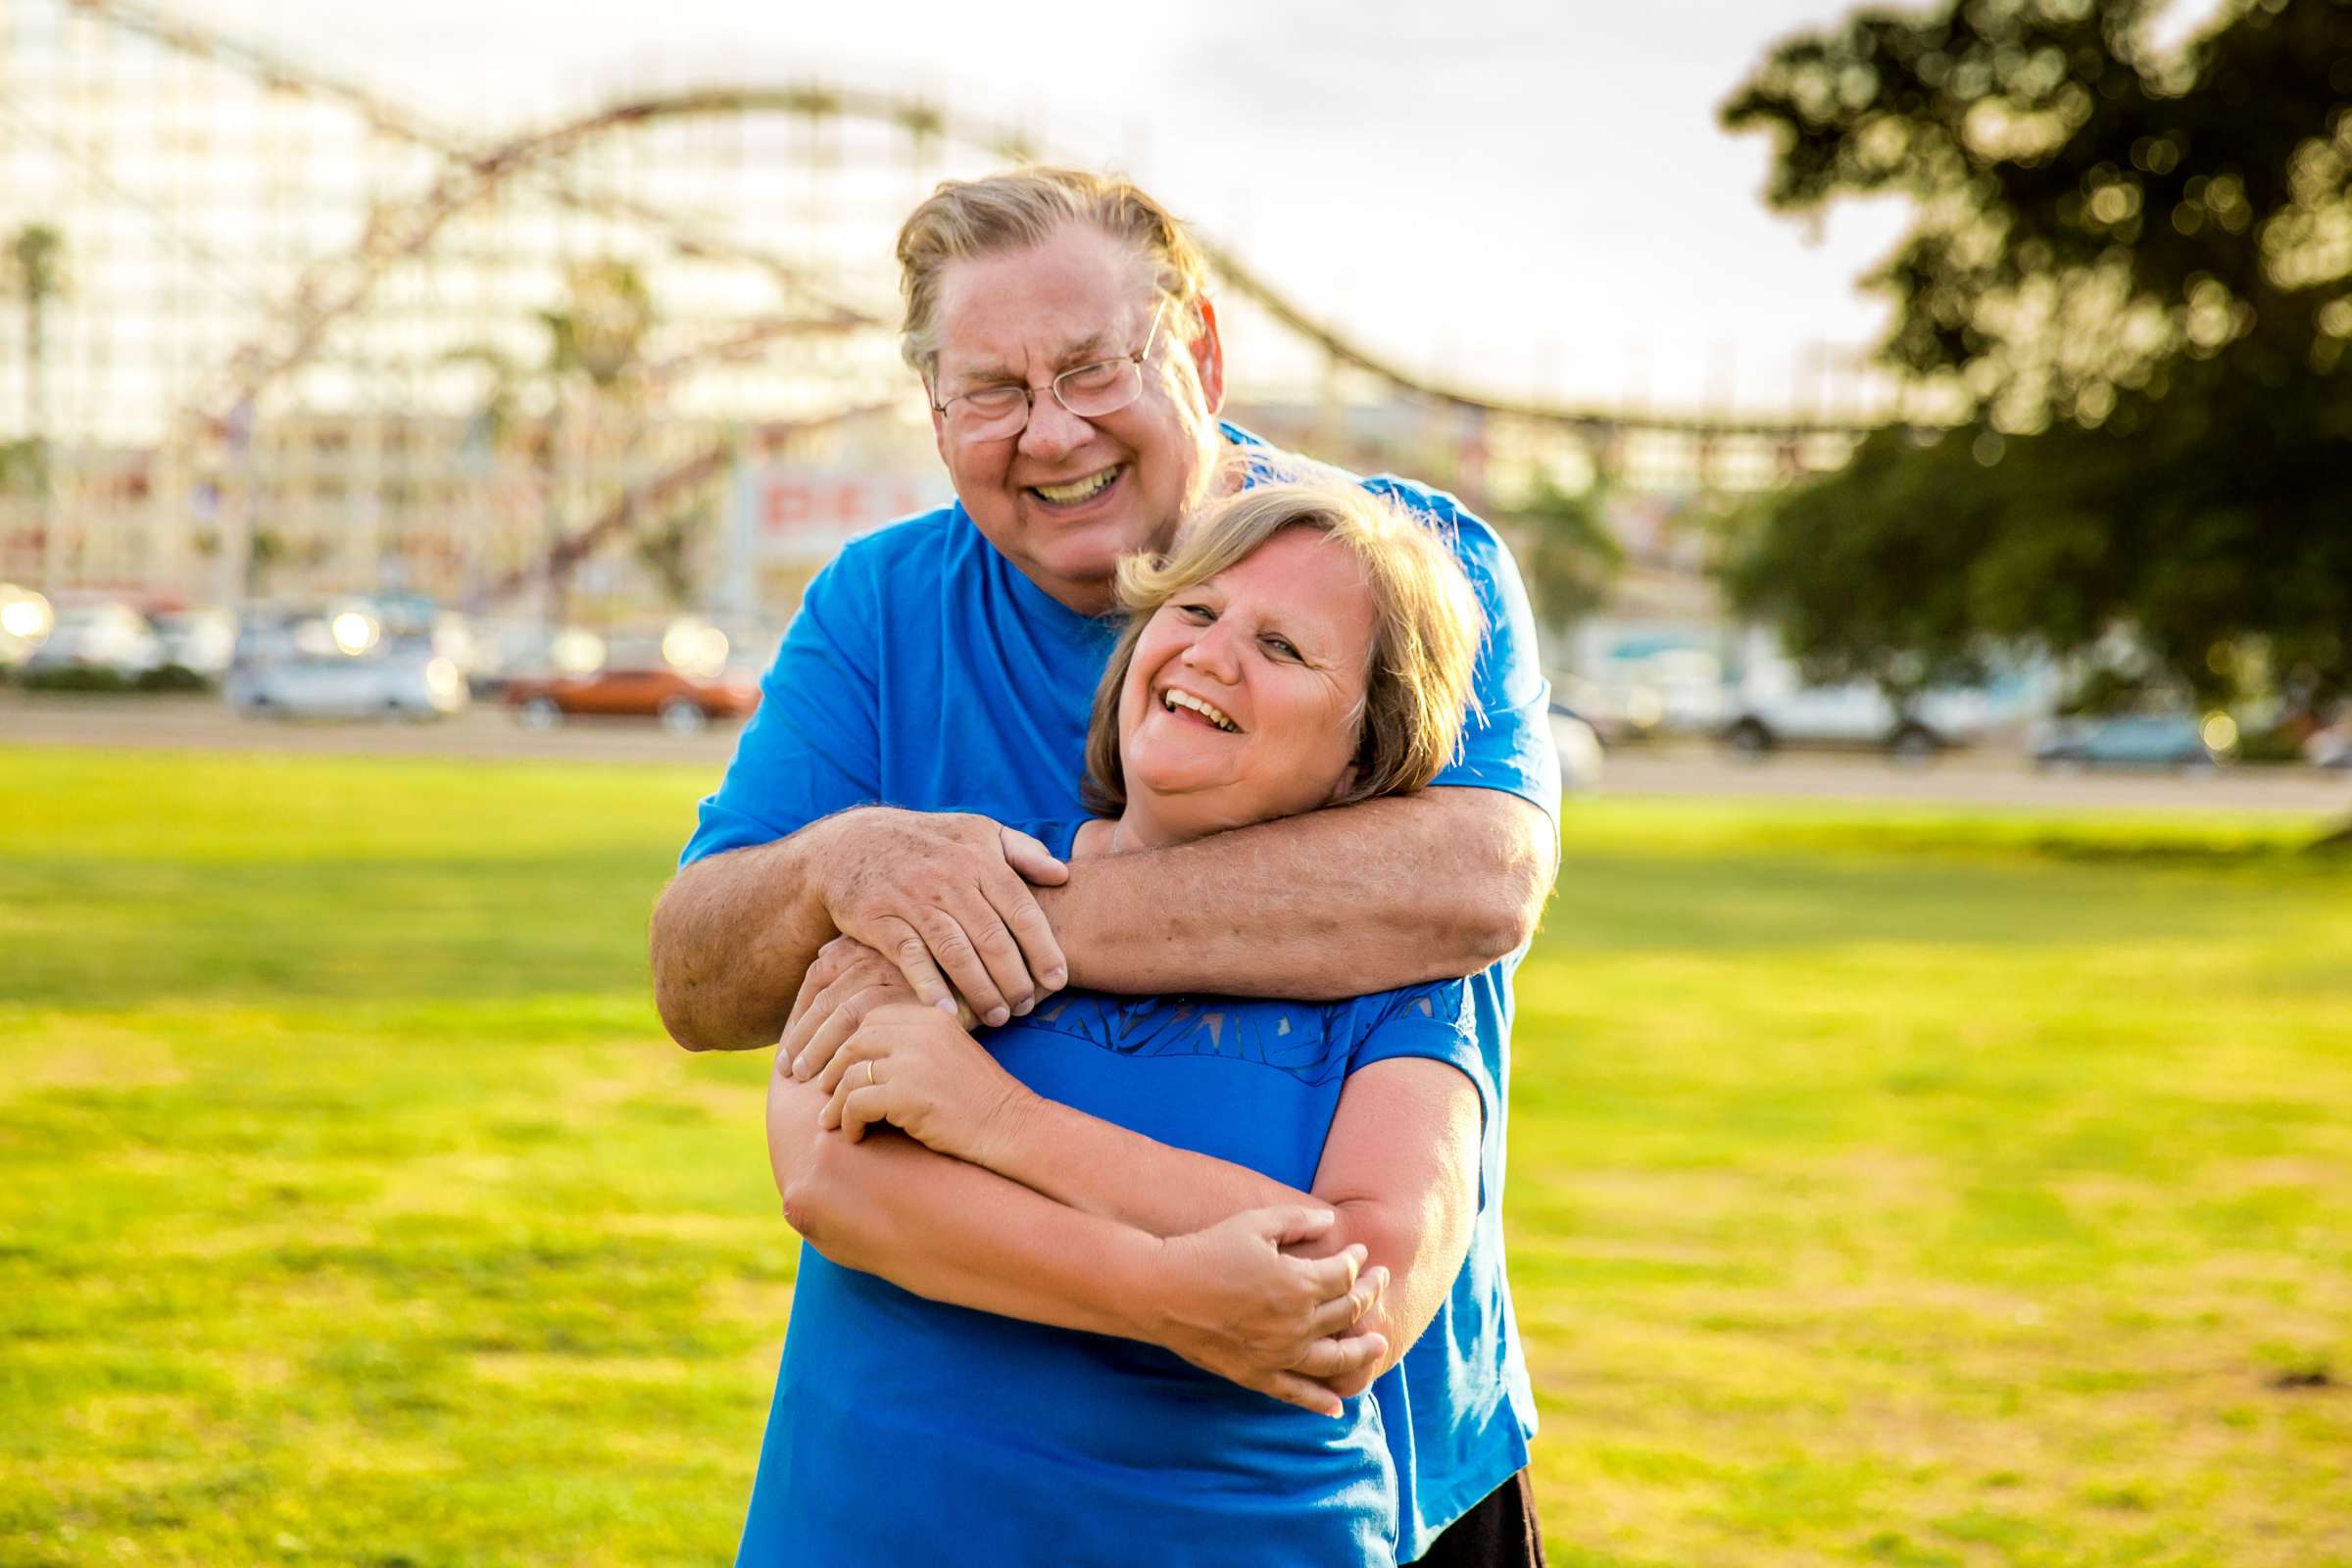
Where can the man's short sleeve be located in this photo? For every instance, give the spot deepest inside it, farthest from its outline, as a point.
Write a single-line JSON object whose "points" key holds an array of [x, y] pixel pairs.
{"points": [[1506, 741], [812, 748]]}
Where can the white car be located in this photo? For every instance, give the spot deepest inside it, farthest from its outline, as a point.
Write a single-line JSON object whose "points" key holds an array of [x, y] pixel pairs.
{"points": [[339, 686], [112, 637], [1855, 714], [204, 641]]}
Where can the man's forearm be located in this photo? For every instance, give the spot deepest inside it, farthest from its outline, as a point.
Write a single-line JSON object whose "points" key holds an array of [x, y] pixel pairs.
{"points": [[730, 940], [1332, 904]]}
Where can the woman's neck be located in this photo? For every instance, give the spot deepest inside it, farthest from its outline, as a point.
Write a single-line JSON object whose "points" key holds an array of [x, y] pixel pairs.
{"points": [[1105, 836], [1154, 822], [1135, 830]]}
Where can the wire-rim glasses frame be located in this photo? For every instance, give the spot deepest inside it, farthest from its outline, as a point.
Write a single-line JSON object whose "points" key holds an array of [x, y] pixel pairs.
{"points": [[1087, 391]]}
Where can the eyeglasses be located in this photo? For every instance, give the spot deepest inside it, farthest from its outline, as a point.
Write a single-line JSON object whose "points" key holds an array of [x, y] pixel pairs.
{"points": [[992, 413]]}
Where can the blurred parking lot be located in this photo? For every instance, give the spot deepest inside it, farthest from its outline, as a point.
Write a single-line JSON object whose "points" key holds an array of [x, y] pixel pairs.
{"points": [[1990, 775]]}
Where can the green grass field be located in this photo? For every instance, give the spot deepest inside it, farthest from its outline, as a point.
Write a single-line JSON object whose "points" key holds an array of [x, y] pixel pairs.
{"points": [[1888, 1187]]}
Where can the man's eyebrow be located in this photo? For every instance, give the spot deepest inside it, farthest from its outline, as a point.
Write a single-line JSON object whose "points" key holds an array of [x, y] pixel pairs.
{"points": [[990, 370], [1082, 350], [1086, 350]]}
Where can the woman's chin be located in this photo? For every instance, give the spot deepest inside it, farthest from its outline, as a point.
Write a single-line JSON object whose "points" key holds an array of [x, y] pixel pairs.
{"points": [[1164, 764], [1178, 783]]}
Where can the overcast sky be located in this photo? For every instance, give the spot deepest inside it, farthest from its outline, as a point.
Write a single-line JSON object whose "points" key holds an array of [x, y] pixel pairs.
{"points": [[1529, 197]]}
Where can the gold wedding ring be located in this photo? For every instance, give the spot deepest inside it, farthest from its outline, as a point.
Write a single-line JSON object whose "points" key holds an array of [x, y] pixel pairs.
{"points": [[869, 1075]]}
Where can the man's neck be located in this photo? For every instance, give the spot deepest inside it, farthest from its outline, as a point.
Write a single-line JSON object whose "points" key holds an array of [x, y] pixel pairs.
{"points": [[1091, 600]]}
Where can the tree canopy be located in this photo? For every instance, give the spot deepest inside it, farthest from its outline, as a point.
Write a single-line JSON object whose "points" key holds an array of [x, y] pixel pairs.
{"points": [[1570, 556], [2124, 314]]}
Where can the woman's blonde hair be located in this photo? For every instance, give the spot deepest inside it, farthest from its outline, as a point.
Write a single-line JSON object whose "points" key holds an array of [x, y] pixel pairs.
{"points": [[1023, 207], [1426, 628]]}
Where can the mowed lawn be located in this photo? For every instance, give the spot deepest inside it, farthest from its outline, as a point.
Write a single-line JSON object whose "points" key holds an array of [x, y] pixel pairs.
{"points": [[1888, 1187]]}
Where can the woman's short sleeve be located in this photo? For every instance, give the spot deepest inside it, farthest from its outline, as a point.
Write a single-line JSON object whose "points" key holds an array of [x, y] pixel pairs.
{"points": [[1432, 1020]]}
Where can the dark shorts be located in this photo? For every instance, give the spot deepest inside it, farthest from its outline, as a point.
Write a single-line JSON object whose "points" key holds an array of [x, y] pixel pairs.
{"points": [[1498, 1532]]}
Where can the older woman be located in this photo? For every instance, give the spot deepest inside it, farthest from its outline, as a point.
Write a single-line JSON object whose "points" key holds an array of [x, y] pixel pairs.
{"points": [[1303, 647]]}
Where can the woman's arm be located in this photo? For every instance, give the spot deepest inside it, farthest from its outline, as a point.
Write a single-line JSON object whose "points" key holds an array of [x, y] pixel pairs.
{"points": [[1231, 1297], [1399, 1166]]}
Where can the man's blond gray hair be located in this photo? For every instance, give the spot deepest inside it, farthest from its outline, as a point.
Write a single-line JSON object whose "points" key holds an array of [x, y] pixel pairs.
{"points": [[1024, 207]]}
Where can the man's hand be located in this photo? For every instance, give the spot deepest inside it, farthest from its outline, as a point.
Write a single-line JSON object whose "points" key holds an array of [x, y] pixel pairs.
{"points": [[935, 892], [914, 1068], [1240, 1306]]}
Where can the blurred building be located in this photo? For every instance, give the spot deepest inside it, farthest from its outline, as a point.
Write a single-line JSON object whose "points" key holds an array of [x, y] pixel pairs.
{"points": [[275, 335]]}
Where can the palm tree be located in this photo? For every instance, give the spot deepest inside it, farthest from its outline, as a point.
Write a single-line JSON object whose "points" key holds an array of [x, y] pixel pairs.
{"points": [[596, 342], [601, 330], [35, 276]]}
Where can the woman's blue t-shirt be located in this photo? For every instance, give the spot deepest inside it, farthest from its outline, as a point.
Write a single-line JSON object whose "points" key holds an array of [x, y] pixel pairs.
{"points": [[910, 1431]]}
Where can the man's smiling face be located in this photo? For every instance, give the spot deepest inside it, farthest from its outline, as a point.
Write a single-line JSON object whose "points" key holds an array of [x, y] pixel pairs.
{"points": [[1065, 497]]}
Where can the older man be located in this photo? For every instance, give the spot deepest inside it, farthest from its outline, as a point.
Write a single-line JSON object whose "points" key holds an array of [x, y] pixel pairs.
{"points": [[937, 684]]}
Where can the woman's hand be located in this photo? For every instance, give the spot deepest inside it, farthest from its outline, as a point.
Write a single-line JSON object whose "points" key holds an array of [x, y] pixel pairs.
{"points": [[847, 980], [914, 1068], [1234, 1300]]}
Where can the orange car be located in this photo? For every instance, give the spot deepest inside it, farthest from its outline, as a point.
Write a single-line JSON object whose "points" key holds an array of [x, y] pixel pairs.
{"points": [[683, 703]]}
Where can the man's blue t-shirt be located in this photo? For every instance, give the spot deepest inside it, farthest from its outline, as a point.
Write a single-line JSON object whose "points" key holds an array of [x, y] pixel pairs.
{"points": [[906, 1430], [925, 671]]}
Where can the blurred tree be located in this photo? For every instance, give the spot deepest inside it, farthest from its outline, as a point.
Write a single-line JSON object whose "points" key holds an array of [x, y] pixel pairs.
{"points": [[1572, 558], [597, 342], [494, 417], [35, 276], [2128, 292], [601, 330], [262, 552], [22, 465], [667, 551]]}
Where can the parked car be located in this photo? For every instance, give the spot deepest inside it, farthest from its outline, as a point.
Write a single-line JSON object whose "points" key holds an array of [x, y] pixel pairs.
{"points": [[1852, 716], [1771, 703], [109, 637], [683, 703], [2331, 747], [1580, 749], [340, 686], [2180, 741], [203, 642]]}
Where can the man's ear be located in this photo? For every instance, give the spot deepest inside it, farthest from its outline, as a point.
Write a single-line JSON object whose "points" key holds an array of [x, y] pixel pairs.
{"points": [[939, 424], [1209, 355]]}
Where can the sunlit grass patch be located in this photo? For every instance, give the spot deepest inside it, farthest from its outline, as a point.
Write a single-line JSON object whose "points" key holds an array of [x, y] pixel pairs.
{"points": [[1889, 1185]]}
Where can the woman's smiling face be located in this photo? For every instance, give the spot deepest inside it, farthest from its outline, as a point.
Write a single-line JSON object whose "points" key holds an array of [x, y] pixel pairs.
{"points": [[1243, 698]]}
